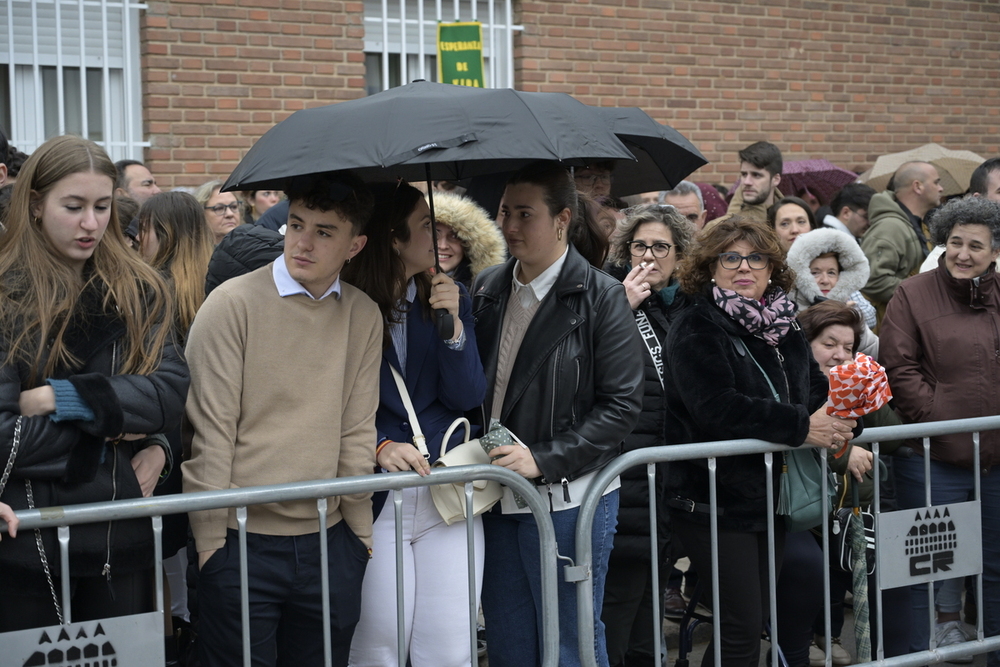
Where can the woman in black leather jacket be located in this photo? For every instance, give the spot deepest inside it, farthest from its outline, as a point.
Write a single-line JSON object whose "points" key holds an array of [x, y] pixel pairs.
{"points": [[88, 369], [571, 392]]}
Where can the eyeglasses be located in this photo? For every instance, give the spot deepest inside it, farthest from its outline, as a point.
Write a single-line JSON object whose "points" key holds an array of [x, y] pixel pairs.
{"points": [[660, 250], [733, 260], [594, 179], [220, 209]]}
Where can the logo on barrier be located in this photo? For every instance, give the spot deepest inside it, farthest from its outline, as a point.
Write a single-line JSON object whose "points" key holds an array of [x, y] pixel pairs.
{"points": [[79, 651], [929, 543], [109, 642]]}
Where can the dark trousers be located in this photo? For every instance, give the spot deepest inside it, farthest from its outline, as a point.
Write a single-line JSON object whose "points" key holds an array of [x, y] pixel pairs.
{"points": [[744, 599], [628, 612], [26, 601], [800, 596], [286, 610]]}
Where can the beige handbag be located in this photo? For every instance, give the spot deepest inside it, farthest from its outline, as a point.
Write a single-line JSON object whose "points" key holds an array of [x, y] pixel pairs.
{"points": [[449, 499]]}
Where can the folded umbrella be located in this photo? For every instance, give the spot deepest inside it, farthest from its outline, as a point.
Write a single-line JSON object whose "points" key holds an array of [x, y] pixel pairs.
{"points": [[954, 166], [857, 388], [665, 156]]}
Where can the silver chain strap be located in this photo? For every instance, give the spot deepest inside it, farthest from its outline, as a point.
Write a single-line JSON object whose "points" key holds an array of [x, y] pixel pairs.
{"points": [[41, 553], [13, 455]]}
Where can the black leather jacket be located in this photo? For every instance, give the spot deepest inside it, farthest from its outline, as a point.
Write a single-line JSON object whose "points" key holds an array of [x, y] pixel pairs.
{"points": [[575, 389], [71, 462]]}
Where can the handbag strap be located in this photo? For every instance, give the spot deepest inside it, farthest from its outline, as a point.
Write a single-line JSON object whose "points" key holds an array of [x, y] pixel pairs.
{"points": [[13, 455], [741, 347], [418, 435], [461, 421]]}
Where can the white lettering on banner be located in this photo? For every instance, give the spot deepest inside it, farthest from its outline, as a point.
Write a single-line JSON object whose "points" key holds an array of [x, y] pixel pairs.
{"points": [[925, 544], [651, 341]]}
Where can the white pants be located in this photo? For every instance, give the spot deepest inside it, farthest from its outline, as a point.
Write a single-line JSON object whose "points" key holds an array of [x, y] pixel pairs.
{"points": [[435, 588]]}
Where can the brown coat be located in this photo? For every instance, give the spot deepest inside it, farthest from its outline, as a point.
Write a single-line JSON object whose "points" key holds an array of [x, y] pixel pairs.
{"points": [[940, 344]]}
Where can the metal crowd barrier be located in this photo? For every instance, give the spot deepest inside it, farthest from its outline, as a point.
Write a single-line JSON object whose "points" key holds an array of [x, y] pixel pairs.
{"points": [[61, 518], [581, 574]]}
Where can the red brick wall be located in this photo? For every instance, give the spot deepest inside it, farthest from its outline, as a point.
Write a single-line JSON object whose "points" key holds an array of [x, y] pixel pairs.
{"points": [[843, 80], [847, 81], [217, 74]]}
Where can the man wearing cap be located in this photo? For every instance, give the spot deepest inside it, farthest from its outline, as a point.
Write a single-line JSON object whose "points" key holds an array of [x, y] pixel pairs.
{"points": [[284, 387]]}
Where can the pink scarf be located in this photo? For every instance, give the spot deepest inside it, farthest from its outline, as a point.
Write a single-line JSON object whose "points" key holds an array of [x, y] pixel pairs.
{"points": [[771, 318]]}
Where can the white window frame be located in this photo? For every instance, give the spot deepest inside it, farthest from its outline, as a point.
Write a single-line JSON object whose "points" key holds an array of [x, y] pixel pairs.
{"points": [[42, 36], [383, 37]]}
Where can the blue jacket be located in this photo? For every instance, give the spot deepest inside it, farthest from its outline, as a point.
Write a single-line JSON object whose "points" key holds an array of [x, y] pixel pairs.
{"points": [[443, 384]]}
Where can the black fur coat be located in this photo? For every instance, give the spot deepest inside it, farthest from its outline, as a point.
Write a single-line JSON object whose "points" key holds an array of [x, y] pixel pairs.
{"points": [[716, 392]]}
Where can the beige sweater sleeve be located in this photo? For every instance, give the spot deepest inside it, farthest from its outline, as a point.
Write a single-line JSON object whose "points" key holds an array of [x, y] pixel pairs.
{"points": [[215, 350], [359, 436]]}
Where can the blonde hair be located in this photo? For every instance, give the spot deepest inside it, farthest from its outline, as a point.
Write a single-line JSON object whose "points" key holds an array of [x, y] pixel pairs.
{"points": [[185, 248], [39, 291]]}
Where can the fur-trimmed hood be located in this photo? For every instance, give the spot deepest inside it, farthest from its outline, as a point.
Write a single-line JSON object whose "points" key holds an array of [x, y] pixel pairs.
{"points": [[484, 245], [853, 265]]}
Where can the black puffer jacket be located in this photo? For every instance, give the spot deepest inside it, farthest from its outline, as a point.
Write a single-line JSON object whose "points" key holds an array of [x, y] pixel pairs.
{"points": [[716, 393], [71, 462], [575, 389], [632, 534], [245, 249]]}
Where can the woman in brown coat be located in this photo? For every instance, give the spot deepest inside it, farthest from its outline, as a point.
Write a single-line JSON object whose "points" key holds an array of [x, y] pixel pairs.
{"points": [[940, 344]]}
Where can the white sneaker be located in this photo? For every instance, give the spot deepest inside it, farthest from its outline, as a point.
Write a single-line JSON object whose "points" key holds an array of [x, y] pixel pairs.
{"points": [[948, 634], [816, 656], [838, 654]]}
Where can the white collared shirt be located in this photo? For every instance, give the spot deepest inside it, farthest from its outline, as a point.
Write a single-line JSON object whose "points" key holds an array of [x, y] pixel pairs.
{"points": [[542, 283], [288, 286]]}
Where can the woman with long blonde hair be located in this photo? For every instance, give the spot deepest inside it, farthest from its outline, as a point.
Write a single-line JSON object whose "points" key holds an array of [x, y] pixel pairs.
{"points": [[174, 240], [87, 369]]}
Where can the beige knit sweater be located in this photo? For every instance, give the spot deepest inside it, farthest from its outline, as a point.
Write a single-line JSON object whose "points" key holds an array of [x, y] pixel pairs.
{"points": [[282, 390]]}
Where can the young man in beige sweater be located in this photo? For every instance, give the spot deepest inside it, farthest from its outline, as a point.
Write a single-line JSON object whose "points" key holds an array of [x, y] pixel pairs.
{"points": [[284, 387]]}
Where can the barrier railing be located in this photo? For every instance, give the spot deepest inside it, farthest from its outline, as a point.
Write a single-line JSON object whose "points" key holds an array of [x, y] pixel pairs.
{"points": [[581, 573], [61, 518]]}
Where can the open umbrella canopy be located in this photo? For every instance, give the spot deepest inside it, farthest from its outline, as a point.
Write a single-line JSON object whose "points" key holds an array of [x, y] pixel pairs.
{"points": [[458, 130], [665, 156], [821, 177], [954, 166]]}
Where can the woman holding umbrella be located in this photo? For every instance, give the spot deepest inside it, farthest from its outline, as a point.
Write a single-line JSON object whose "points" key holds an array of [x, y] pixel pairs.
{"points": [[443, 378], [570, 393]]}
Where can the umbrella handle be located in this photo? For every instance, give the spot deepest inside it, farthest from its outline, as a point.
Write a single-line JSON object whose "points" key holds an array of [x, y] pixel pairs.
{"points": [[445, 324]]}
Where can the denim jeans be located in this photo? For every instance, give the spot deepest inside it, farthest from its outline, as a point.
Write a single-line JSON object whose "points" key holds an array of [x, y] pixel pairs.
{"points": [[951, 484], [512, 594]]}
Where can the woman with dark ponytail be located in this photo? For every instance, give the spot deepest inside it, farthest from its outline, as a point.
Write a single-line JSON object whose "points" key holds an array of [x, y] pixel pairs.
{"points": [[570, 393]]}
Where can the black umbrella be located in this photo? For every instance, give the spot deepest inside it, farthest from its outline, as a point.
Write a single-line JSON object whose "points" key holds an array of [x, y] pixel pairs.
{"points": [[665, 156], [458, 131], [428, 131]]}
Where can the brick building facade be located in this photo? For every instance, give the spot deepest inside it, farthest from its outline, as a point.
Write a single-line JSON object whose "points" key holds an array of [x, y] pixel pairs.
{"points": [[843, 80]]}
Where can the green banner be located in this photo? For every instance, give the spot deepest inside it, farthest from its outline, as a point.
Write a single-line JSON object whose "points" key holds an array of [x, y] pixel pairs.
{"points": [[460, 54]]}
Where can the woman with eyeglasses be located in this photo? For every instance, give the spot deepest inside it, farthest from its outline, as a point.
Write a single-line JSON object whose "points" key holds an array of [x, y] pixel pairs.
{"points": [[222, 209], [736, 365], [644, 253]]}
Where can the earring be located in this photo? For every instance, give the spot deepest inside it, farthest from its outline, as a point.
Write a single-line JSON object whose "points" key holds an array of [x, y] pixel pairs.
{"points": [[397, 251], [559, 232], [348, 261], [713, 281], [768, 281]]}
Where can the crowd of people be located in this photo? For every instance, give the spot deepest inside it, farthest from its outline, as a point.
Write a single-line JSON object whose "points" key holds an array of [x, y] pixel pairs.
{"points": [[167, 342]]}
